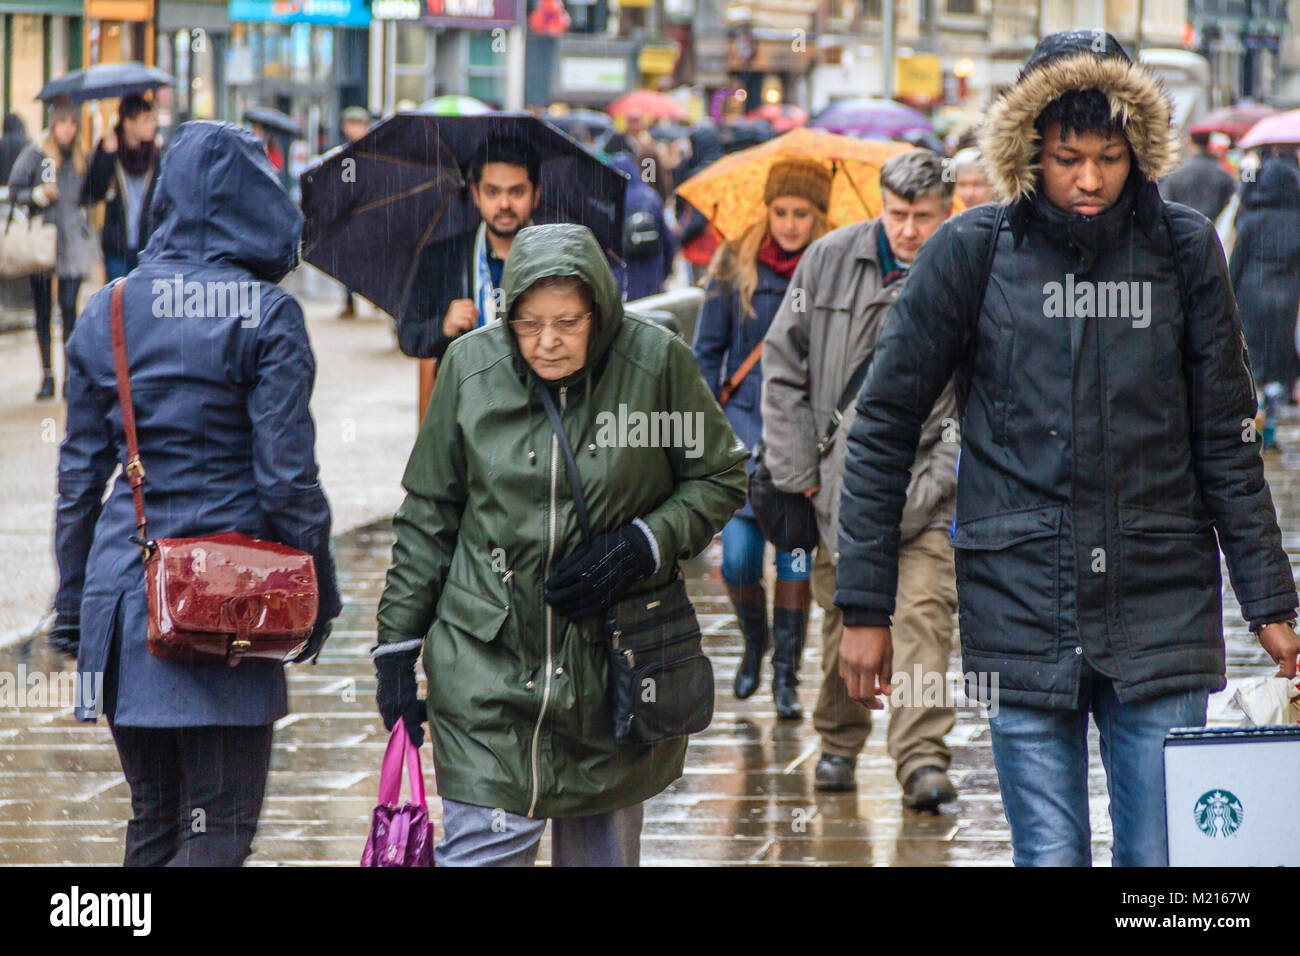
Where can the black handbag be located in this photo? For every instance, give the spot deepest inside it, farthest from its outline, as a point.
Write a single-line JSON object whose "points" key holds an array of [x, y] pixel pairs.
{"points": [[660, 684], [788, 518]]}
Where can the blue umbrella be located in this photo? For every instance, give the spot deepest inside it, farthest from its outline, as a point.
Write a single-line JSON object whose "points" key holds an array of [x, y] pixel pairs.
{"points": [[372, 207], [105, 81]]}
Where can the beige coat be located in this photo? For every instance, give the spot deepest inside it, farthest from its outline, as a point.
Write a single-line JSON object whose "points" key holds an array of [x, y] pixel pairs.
{"points": [[828, 323]]}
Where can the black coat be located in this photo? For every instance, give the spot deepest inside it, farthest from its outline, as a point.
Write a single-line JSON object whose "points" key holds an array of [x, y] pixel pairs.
{"points": [[1100, 456], [1266, 271], [104, 181], [444, 273], [1201, 183]]}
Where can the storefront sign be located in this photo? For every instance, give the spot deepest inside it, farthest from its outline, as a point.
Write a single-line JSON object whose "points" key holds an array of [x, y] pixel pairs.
{"points": [[332, 13], [590, 74], [135, 11], [919, 78], [396, 9], [470, 14]]}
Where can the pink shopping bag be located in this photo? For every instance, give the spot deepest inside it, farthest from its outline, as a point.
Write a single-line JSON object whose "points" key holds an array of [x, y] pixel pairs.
{"points": [[400, 835]]}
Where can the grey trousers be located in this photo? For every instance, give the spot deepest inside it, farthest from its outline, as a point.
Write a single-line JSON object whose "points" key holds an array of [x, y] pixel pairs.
{"points": [[487, 836]]}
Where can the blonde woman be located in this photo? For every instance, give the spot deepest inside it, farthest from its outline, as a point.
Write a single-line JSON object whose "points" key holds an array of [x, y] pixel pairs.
{"points": [[49, 177], [747, 281]]}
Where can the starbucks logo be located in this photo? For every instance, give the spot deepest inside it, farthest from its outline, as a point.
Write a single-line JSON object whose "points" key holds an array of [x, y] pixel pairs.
{"points": [[1218, 813]]}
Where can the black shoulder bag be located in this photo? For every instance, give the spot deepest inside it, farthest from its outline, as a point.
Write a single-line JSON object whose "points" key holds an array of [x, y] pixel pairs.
{"points": [[660, 682]]}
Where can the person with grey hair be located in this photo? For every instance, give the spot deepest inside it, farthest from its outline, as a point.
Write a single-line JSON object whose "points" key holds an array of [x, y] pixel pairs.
{"points": [[971, 179], [815, 357]]}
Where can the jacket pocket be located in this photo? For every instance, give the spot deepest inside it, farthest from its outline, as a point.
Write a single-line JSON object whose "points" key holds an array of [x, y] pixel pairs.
{"points": [[1008, 582], [1170, 587], [472, 613]]}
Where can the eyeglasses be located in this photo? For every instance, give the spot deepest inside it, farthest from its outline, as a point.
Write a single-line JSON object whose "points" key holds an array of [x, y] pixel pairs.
{"points": [[565, 325]]}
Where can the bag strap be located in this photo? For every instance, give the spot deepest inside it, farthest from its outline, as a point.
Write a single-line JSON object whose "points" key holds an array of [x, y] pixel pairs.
{"points": [[846, 399], [570, 464], [729, 387], [134, 469]]}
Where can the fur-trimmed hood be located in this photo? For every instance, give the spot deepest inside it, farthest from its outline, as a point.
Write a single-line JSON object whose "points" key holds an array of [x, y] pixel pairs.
{"points": [[1077, 60]]}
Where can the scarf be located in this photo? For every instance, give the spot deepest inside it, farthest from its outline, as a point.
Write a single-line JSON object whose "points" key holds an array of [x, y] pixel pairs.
{"points": [[138, 161], [777, 259], [484, 293], [890, 268]]}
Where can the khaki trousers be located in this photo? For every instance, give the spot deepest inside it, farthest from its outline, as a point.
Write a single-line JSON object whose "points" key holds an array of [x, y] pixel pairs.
{"points": [[922, 637]]}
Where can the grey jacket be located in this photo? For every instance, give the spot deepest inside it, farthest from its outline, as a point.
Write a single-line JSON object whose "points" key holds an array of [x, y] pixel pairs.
{"points": [[76, 245], [833, 312]]}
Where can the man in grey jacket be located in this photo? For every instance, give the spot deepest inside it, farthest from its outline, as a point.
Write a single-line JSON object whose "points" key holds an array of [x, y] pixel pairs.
{"points": [[827, 326]]}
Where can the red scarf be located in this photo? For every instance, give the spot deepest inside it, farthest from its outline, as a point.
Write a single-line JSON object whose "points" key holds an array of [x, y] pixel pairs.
{"points": [[777, 259]]}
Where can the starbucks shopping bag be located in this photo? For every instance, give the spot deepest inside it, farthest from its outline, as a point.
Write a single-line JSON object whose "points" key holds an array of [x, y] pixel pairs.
{"points": [[400, 835]]}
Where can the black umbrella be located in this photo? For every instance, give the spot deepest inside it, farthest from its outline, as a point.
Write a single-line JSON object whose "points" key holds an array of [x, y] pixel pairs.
{"points": [[372, 207], [105, 81], [273, 120]]}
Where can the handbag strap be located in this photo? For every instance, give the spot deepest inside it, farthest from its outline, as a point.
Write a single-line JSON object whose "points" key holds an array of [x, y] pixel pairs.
{"points": [[134, 469], [570, 463], [846, 398], [730, 385]]}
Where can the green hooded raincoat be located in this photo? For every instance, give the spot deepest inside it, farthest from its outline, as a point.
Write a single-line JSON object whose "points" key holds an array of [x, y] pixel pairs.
{"points": [[518, 713]]}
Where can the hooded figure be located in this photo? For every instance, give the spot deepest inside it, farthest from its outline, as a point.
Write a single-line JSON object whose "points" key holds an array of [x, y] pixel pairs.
{"points": [[517, 705], [221, 374], [647, 243], [1102, 388], [1264, 271]]}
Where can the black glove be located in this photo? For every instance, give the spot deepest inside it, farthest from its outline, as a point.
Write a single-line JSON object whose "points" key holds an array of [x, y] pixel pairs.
{"points": [[397, 692], [589, 579], [65, 636], [319, 635]]}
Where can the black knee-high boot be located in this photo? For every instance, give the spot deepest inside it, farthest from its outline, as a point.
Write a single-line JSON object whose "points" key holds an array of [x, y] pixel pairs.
{"points": [[751, 609], [789, 627]]}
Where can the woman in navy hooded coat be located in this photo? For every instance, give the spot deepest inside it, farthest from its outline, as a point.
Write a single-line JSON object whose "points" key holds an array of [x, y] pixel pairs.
{"points": [[228, 443]]}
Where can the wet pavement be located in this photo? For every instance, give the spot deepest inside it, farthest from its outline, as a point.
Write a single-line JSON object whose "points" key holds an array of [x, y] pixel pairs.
{"points": [[746, 796]]}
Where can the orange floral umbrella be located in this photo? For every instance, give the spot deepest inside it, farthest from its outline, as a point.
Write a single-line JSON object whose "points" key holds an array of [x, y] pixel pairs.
{"points": [[729, 193]]}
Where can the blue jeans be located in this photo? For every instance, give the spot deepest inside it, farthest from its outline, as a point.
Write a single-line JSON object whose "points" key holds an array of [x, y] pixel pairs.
{"points": [[742, 556], [1042, 761]]}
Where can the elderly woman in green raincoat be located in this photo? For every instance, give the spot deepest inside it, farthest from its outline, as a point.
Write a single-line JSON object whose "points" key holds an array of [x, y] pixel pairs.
{"points": [[490, 579]]}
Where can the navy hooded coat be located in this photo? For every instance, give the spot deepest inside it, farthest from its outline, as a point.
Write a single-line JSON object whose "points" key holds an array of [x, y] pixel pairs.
{"points": [[225, 432]]}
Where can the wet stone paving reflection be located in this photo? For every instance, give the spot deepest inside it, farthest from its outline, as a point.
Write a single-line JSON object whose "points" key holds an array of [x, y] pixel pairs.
{"points": [[746, 796]]}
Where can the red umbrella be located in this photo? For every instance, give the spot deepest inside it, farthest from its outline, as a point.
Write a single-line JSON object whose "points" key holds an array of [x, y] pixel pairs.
{"points": [[650, 104], [783, 116], [1232, 121]]}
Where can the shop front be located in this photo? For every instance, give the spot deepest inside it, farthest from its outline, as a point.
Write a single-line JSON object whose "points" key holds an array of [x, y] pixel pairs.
{"points": [[306, 58], [440, 47], [193, 39], [41, 40]]}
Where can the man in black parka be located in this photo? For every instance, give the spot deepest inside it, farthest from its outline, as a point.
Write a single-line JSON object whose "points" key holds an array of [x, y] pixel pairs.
{"points": [[1108, 453]]}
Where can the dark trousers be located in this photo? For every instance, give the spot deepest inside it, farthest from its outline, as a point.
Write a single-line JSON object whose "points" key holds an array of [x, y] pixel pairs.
{"points": [[41, 299], [196, 792]]}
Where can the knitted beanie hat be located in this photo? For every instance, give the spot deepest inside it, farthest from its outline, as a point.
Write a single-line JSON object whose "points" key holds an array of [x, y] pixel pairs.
{"points": [[803, 178]]}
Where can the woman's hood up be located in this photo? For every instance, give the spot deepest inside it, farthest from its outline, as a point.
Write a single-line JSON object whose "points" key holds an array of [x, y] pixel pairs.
{"points": [[218, 199], [1275, 187], [1077, 60], [564, 249]]}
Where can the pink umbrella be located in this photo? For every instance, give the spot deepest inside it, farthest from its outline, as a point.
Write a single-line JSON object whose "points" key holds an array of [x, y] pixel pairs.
{"points": [[1282, 128]]}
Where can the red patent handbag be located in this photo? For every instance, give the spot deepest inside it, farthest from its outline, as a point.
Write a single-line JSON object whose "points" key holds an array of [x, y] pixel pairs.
{"points": [[222, 597]]}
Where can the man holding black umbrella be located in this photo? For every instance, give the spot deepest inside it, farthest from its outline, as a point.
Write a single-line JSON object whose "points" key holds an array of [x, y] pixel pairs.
{"points": [[462, 275]]}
